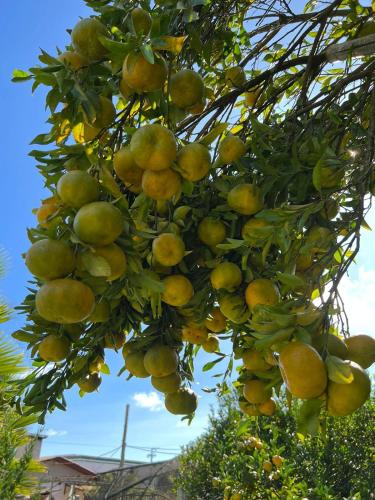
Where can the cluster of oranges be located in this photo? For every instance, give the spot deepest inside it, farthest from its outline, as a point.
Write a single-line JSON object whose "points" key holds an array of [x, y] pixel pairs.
{"points": [[95, 256]]}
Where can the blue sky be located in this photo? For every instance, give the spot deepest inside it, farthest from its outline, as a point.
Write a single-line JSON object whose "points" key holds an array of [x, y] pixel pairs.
{"points": [[93, 425]]}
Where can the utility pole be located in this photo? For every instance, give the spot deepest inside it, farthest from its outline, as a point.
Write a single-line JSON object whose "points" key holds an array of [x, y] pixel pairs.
{"points": [[123, 444], [152, 454]]}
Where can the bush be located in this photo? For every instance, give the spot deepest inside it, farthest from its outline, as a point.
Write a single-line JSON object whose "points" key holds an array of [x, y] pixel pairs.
{"points": [[227, 459]]}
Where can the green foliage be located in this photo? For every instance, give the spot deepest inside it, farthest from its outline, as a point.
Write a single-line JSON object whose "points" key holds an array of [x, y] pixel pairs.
{"points": [[309, 136], [333, 465]]}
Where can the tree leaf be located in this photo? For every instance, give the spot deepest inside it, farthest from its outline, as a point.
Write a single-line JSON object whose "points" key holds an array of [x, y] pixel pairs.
{"points": [[96, 265], [213, 134], [148, 53], [308, 417], [172, 44], [339, 371]]}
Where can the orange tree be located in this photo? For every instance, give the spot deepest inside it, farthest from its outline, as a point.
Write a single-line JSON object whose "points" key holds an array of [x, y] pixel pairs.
{"points": [[210, 166]]}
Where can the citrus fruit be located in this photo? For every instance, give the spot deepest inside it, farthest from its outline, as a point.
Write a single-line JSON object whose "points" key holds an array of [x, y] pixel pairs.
{"points": [[100, 313], [77, 163], [253, 360], [128, 347], [49, 208], [216, 321], [85, 39], [96, 365], [325, 177], [227, 276], [114, 258], [252, 231], [182, 402], [251, 97], [178, 290], [74, 331], [211, 344], [77, 188], [98, 223], [197, 108], [335, 346], [235, 77], [168, 249], [361, 349], [303, 262], [160, 360], [50, 259], [307, 314], [344, 399], [194, 161], [234, 308], [72, 60], [170, 383], [277, 460], [211, 231], [231, 149], [114, 340], [83, 133], [268, 407], [330, 209], [65, 301], [153, 147], [303, 370], [105, 114], [186, 88], [54, 348], [141, 20], [195, 334], [161, 185], [141, 75], [90, 382], [126, 169], [134, 364], [125, 90], [256, 391], [261, 292], [267, 466], [319, 238], [245, 199], [249, 409]]}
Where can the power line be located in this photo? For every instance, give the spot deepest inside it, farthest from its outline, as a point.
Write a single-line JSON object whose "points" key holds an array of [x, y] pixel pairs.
{"points": [[168, 451]]}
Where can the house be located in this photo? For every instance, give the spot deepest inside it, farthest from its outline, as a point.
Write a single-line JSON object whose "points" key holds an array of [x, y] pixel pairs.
{"points": [[72, 476]]}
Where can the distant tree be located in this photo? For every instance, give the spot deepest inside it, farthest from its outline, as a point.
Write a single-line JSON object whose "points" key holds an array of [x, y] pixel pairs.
{"points": [[230, 458]]}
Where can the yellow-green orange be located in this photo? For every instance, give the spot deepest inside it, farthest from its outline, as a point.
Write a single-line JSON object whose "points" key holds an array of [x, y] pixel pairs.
{"points": [[182, 402], [153, 147], [114, 340], [226, 275], [114, 265], [194, 161], [234, 308], [178, 290], [361, 349], [195, 334], [77, 188], [54, 348], [211, 231], [261, 292], [105, 113], [170, 383], [252, 231], [168, 249], [256, 391], [303, 370], [344, 399], [231, 149], [50, 259], [253, 360], [142, 76], [186, 88], [235, 77], [161, 185], [65, 301], [268, 407], [216, 321], [72, 60], [160, 360], [90, 382], [142, 20], [211, 344], [101, 312], [85, 39], [126, 168], [98, 223], [245, 199], [134, 364], [335, 346]]}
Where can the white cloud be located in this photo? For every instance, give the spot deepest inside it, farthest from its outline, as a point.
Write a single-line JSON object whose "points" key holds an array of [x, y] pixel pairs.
{"points": [[54, 433], [150, 401], [359, 299]]}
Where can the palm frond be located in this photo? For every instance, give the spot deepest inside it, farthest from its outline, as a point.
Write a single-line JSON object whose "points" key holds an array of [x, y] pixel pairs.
{"points": [[10, 360]]}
